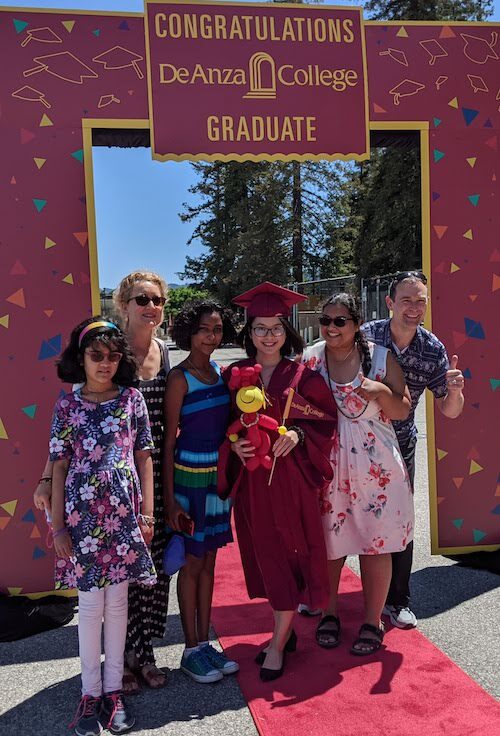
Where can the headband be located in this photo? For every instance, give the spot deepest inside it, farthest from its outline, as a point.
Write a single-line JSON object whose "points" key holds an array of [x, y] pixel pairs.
{"points": [[94, 326]]}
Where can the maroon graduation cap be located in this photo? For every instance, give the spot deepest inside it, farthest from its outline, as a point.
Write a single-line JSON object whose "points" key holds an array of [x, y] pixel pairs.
{"points": [[269, 300]]}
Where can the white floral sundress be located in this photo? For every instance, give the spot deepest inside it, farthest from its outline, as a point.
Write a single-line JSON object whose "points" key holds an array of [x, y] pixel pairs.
{"points": [[368, 507]]}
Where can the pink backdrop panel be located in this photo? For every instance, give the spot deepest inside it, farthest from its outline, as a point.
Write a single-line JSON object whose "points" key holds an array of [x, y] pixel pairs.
{"points": [[59, 68]]}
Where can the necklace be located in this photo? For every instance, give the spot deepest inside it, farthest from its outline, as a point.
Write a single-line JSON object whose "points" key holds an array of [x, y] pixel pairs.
{"points": [[342, 360], [348, 416], [202, 378], [140, 356]]}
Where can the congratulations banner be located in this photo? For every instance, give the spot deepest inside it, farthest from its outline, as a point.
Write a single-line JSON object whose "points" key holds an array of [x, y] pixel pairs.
{"points": [[247, 81]]}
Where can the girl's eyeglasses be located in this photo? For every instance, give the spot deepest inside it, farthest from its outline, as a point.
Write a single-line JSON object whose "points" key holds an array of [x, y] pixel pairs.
{"points": [[97, 357], [339, 321], [276, 331], [142, 300]]}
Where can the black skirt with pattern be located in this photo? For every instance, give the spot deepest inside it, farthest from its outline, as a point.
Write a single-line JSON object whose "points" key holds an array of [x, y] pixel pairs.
{"points": [[147, 607]]}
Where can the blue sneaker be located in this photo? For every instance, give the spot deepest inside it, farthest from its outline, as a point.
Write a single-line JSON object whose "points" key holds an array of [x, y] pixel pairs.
{"points": [[220, 661], [198, 666]]}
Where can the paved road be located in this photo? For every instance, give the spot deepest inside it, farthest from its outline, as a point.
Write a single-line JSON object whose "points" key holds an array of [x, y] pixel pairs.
{"points": [[457, 609]]}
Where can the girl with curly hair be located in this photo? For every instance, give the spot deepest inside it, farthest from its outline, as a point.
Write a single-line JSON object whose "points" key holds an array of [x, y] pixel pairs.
{"points": [[197, 412]]}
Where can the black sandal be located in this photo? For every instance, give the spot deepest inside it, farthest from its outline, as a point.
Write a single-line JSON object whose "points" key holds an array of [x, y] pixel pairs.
{"points": [[371, 645], [327, 636]]}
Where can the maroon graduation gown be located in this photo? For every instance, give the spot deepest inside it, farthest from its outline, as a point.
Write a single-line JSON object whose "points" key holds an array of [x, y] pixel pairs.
{"points": [[279, 527]]}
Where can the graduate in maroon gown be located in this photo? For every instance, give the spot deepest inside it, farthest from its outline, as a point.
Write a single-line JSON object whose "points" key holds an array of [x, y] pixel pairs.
{"points": [[279, 524]]}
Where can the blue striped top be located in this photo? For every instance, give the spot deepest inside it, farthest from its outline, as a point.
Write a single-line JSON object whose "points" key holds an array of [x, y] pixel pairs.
{"points": [[204, 414]]}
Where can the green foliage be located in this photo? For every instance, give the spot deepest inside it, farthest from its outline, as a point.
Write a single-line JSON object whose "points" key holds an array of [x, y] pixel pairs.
{"points": [[475, 10], [178, 297], [266, 221], [240, 222], [386, 213]]}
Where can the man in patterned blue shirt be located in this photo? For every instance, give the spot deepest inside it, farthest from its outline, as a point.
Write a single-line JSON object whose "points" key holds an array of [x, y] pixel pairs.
{"points": [[424, 362]]}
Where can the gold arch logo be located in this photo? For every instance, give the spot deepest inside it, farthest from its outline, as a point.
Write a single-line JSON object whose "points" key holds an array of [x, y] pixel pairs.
{"points": [[262, 72]]}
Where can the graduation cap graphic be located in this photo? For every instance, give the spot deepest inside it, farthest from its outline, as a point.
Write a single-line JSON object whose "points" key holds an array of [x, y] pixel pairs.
{"points": [[120, 58], [63, 65]]}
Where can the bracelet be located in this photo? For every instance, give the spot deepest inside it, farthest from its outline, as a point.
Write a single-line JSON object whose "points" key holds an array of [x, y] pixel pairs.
{"points": [[59, 532], [300, 433], [45, 479], [148, 520]]}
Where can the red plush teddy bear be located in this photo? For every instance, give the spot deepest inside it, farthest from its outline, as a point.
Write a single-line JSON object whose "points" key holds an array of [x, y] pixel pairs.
{"points": [[249, 399]]}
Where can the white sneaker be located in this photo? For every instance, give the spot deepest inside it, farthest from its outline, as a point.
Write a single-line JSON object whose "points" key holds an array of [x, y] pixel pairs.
{"points": [[304, 610], [400, 616]]}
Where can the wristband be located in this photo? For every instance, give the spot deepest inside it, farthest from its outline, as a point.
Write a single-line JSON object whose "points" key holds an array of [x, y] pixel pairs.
{"points": [[300, 433], [145, 519]]}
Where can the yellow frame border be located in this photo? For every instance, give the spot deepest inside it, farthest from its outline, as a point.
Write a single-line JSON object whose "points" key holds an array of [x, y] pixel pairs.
{"points": [[423, 127], [88, 124], [242, 157]]}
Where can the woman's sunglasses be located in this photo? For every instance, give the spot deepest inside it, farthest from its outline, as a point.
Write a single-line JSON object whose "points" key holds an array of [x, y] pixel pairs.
{"points": [[402, 275], [97, 357], [142, 300], [339, 321]]}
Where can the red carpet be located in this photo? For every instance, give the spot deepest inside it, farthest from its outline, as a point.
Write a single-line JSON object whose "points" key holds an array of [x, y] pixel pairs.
{"points": [[409, 689]]}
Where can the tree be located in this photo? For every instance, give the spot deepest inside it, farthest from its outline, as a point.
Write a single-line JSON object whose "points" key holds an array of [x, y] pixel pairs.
{"points": [[179, 296], [239, 220], [387, 213], [474, 10], [324, 209]]}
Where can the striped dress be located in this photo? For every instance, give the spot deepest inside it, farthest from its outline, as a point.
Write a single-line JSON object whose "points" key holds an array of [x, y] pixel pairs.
{"points": [[203, 422]]}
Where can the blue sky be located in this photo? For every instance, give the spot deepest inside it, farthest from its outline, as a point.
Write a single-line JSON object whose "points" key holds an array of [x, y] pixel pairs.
{"points": [[143, 231]]}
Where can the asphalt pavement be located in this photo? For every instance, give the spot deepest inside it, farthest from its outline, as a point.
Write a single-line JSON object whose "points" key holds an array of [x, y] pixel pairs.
{"points": [[457, 608]]}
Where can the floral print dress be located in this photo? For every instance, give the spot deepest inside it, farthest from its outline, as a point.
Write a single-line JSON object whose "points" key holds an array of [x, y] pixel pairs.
{"points": [[368, 507], [102, 492]]}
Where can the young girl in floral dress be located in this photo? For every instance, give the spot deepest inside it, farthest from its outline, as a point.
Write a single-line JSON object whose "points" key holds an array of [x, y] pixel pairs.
{"points": [[102, 479]]}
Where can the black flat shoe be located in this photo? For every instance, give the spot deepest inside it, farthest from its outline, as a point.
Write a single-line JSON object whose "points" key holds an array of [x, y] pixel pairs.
{"points": [[290, 646], [267, 675]]}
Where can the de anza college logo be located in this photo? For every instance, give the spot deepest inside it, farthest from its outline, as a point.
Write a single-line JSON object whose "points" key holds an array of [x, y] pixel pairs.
{"points": [[263, 76]]}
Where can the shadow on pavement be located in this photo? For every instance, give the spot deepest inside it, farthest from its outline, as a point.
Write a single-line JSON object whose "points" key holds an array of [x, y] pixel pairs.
{"points": [[62, 643], [438, 589], [51, 710]]}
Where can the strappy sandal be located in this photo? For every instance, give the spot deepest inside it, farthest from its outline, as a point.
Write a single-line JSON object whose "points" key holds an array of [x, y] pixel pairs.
{"points": [[370, 645], [130, 684], [328, 636], [153, 677]]}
